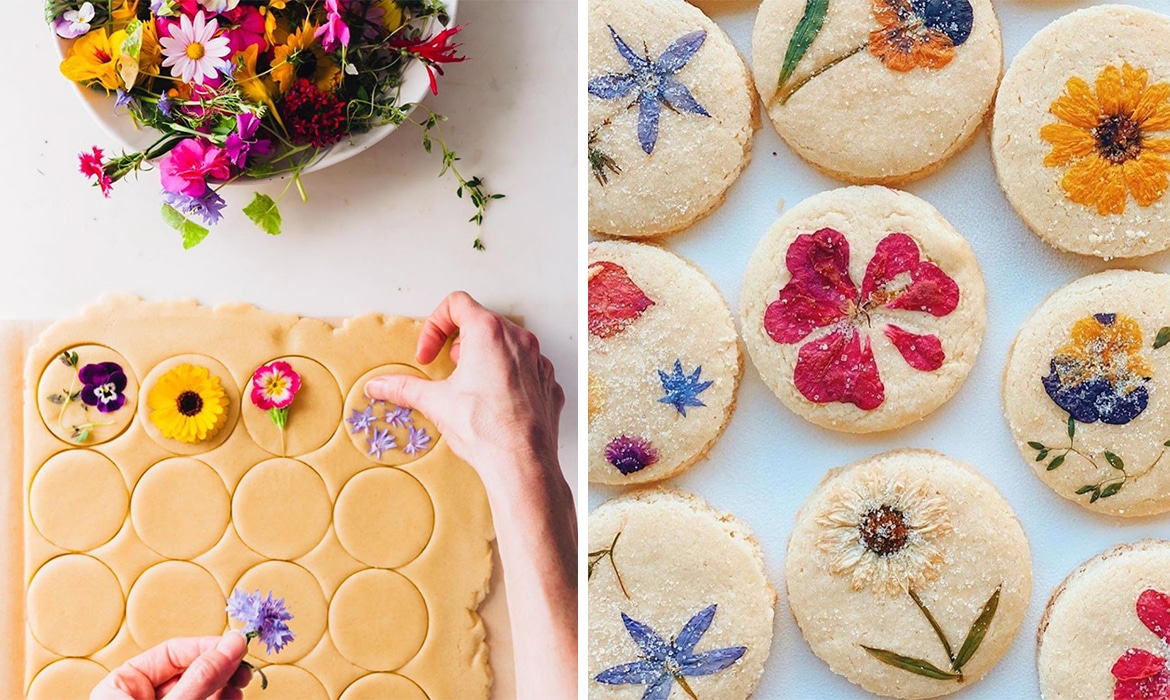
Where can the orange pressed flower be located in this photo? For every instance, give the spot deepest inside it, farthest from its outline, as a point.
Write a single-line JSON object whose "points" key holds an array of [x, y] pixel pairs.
{"points": [[1107, 139], [916, 34]]}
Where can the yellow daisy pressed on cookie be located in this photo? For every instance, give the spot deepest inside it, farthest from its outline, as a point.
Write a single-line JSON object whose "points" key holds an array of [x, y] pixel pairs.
{"points": [[188, 404]]}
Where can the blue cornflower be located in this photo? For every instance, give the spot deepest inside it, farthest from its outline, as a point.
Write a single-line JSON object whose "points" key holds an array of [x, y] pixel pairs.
{"points": [[265, 619], [381, 441], [124, 98], [663, 662], [165, 105], [209, 207], [361, 420], [398, 417], [682, 390], [416, 441], [655, 83]]}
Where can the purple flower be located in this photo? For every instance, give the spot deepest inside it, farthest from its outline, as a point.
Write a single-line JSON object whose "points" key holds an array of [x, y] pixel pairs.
{"points": [[208, 207], [630, 454], [381, 441], [263, 618], [243, 142], [334, 33], [104, 383], [417, 441], [682, 390], [398, 417], [74, 23], [123, 100], [361, 420], [164, 105]]}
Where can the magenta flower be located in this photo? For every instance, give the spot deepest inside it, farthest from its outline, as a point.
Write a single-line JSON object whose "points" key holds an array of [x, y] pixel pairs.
{"points": [[244, 27], [93, 167], [1140, 674], [334, 33], [242, 142], [274, 386], [188, 166]]}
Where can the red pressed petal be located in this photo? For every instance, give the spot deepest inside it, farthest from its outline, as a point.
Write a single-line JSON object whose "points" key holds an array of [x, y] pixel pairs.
{"points": [[922, 352], [1153, 609], [614, 300], [820, 290], [1141, 676], [897, 278], [839, 367], [1155, 688]]}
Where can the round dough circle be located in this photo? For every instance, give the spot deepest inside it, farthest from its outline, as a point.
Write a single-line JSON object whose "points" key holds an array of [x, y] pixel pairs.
{"points": [[865, 217], [685, 320], [677, 556], [313, 416], [66, 678], [378, 620], [287, 682], [695, 158], [74, 605], [384, 517], [1079, 45], [1091, 620], [180, 508], [281, 508], [1034, 417], [230, 389], [78, 500], [174, 599], [860, 121], [381, 686], [302, 594], [58, 378], [985, 547], [357, 402]]}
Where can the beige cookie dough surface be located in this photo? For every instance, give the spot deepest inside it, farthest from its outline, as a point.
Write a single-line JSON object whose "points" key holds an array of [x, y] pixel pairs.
{"points": [[695, 158], [860, 121], [1081, 45], [865, 216], [676, 556], [1124, 351], [959, 541], [173, 528], [684, 319]]}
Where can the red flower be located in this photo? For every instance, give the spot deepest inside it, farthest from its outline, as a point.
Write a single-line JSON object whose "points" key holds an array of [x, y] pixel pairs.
{"points": [[1140, 674], [92, 167], [839, 365], [614, 300], [433, 52], [314, 117]]}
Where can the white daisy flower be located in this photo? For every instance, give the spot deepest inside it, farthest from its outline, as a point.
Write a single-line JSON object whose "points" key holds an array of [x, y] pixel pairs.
{"points": [[192, 51]]}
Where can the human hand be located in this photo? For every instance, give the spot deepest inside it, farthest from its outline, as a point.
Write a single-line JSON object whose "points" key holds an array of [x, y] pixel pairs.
{"points": [[188, 668]]}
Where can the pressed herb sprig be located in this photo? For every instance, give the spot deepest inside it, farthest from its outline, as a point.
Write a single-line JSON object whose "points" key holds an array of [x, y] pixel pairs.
{"points": [[102, 387], [607, 553], [1112, 484], [600, 162], [1162, 338]]}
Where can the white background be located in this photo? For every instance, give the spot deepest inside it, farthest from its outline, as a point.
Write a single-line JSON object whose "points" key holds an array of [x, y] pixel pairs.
{"points": [[769, 461]]}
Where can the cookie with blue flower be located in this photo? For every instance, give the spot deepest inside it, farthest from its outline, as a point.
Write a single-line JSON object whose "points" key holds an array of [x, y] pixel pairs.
{"points": [[671, 116], [1087, 392]]}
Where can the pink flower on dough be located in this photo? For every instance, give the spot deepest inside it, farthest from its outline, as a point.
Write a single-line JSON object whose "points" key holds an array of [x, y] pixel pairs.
{"points": [[187, 167], [1142, 675]]}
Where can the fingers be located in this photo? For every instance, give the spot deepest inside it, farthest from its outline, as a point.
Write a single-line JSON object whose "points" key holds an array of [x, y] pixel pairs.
{"points": [[154, 668], [211, 671], [453, 312], [404, 390], [241, 678]]}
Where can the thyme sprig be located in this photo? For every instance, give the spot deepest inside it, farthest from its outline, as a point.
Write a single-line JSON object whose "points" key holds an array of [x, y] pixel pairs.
{"points": [[607, 553], [1114, 480]]}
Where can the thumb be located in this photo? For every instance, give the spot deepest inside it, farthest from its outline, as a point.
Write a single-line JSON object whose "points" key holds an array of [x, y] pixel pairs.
{"points": [[404, 390], [211, 671]]}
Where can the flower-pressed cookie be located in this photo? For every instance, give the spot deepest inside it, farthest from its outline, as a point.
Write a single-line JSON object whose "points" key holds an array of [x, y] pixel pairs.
{"points": [[87, 395]]}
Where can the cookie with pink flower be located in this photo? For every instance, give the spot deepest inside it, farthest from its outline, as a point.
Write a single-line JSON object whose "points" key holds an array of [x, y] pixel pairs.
{"points": [[863, 309]]}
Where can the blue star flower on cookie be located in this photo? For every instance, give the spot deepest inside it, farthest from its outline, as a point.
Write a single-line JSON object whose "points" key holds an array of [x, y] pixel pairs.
{"points": [[661, 663], [655, 83], [681, 389]]}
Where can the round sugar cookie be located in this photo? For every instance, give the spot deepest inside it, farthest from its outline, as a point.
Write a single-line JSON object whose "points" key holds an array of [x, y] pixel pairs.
{"points": [[1104, 631], [1081, 134], [863, 309], [666, 568], [888, 544], [877, 91], [1086, 392], [664, 363], [671, 116]]}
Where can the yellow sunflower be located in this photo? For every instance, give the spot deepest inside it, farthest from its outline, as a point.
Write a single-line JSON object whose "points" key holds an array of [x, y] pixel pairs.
{"points": [[302, 56], [1107, 139], [188, 404]]}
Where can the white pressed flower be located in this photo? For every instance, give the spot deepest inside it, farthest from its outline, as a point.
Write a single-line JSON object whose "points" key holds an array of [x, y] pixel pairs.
{"points": [[192, 51]]}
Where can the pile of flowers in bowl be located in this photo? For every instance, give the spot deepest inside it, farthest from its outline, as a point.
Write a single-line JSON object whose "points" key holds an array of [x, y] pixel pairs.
{"points": [[252, 89]]}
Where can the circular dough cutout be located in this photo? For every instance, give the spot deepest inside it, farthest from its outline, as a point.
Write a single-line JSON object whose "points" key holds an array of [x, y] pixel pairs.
{"points": [[66, 678], [378, 620], [358, 404], [58, 378], [74, 605], [230, 389], [383, 686], [78, 500], [303, 596], [312, 418], [291, 682], [174, 599], [281, 508], [180, 508], [384, 517]]}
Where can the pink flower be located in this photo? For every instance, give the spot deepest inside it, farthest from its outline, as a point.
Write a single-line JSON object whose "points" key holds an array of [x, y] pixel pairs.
{"points": [[92, 166], [274, 386], [838, 365], [1142, 675], [188, 166], [244, 26], [334, 32]]}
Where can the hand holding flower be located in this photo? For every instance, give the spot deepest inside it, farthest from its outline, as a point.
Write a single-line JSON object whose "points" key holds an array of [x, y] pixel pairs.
{"points": [[190, 668]]}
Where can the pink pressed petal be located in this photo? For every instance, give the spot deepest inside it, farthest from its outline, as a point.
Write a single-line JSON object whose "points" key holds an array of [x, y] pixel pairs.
{"points": [[922, 352], [897, 278], [839, 367], [820, 291], [1153, 609], [615, 301], [1138, 664]]}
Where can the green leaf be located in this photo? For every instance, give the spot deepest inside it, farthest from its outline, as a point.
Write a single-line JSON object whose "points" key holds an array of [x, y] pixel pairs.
{"points": [[56, 399], [802, 38], [193, 233], [1167, 443], [1163, 337], [1096, 494], [1085, 489], [942, 637], [1043, 455], [978, 630], [1036, 445], [906, 663], [1111, 489], [264, 213], [1114, 461], [1056, 462], [1072, 427], [131, 51]]}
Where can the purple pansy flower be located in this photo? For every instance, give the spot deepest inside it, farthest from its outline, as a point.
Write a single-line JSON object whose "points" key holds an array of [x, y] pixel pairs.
{"points": [[242, 142], [416, 441], [74, 23], [381, 441], [361, 421], [682, 390], [398, 417], [263, 618], [104, 383], [661, 663], [208, 207]]}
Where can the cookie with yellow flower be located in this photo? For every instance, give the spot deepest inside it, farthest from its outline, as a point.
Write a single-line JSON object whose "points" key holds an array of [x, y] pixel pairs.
{"points": [[908, 574], [191, 404], [1081, 135]]}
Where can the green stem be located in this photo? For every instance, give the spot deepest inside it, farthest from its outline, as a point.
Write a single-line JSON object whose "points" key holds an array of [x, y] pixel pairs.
{"points": [[786, 94]]}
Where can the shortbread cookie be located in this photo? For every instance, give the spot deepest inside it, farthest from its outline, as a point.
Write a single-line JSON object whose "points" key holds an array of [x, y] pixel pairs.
{"points": [[664, 363], [1081, 135], [863, 309], [679, 601], [877, 91], [1106, 629], [671, 116], [1086, 392], [908, 574]]}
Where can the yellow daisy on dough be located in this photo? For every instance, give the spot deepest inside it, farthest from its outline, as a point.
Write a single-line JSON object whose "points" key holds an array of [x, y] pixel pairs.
{"points": [[1107, 139], [188, 404]]}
